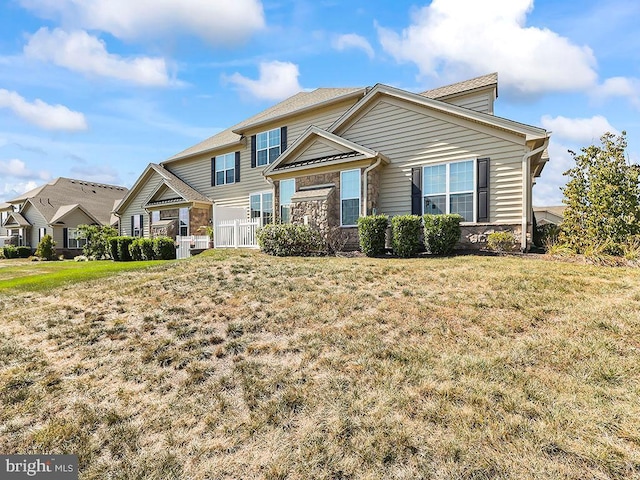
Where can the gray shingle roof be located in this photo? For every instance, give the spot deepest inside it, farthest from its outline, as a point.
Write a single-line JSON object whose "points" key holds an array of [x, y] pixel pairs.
{"points": [[95, 198], [292, 104], [190, 194], [467, 85]]}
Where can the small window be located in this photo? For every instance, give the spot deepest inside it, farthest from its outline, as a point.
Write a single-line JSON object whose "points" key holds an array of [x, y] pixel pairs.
{"points": [[449, 188], [41, 233], [287, 189], [184, 222], [225, 169], [349, 197], [262, 207], [136, 226], [73, 241], [155, 216], [267, 147]]}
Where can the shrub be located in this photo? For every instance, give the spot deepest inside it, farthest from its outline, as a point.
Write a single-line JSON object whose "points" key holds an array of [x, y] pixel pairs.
{"points": [[113, 248], [98, 237], [441, 233], [501, 242], [288, 239], [371, 233], [164, 248], [46, 248], [1, 253], [405, 233], [135, 250], [23, 252], [142, 249], [10, 251]]}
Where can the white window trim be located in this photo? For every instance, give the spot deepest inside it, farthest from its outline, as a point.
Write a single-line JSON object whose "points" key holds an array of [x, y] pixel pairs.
{"points": [[359, 197], [261, 217], [223, 157], [474, 192], [280, 197], [258, 164], [72, 236]]}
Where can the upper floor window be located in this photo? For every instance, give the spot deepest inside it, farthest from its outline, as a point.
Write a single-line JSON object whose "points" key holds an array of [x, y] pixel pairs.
{"points": [[449, 188], [267, 146], [225, 169]]}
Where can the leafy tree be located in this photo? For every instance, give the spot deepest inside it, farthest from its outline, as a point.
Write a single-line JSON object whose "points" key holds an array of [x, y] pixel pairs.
{"points": [[47, 248], [97, 240], [602, 198]]}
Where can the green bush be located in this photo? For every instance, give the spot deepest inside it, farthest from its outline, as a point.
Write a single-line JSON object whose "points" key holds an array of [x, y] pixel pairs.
{"points": [[501, 242], [135, 250], [142, 249], [1, 253], [441, 233], [371, 233], [113, 248], [164, 248], [405, 230], [47, 248], [97, 237], [288, 239], [10, 251], [23, 252], [121, 248]]}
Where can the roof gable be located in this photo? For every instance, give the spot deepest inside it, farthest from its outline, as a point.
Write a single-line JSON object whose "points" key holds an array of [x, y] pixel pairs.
{"points": [[15, 219], [465, 87], [66, 210]]}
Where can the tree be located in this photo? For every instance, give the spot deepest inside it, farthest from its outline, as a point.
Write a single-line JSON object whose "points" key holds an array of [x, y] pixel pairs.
{"points": [[47, 248], [602, 198], [97, 236]]}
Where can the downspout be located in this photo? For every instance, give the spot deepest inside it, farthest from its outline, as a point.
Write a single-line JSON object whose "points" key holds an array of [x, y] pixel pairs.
{"points": [[366, 183], [526, 174]]}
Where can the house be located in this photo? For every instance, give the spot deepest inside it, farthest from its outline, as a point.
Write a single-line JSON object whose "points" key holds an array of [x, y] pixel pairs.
{"points": [[329, 156], [57, 208], [549, 215]]}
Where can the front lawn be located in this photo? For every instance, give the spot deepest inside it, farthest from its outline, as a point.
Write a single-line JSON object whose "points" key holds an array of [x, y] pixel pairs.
{"points": [[240, 365]]}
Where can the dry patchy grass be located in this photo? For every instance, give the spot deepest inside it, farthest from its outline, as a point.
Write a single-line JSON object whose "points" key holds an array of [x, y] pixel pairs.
{"points": [[239, 365]]}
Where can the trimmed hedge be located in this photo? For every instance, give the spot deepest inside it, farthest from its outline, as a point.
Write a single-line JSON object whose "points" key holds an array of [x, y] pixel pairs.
{"points": [[287, 239], [406, 231], [141, 249], [113, 248], [501, 242], [441, 233], [23, 252], [164, 248], [10, 251], [371, 233]]}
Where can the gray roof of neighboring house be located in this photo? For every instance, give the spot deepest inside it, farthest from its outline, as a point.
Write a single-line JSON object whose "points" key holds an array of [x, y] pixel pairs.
{"points": [[292, 104], [554, 209], [18, 219], [181, 188], [4, 206], [96, 198], [465, 86]]}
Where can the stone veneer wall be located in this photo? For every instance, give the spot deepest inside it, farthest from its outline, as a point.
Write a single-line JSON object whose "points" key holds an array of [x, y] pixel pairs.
{"points": [[475, 236]]}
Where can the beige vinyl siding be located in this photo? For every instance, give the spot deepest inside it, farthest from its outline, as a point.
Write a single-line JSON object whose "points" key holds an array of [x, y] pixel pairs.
{"points": [[75, 218], [319, 149], [413, 137], [35, 218], [135, 207], [479, 101], [165, 193], [196, 171]]}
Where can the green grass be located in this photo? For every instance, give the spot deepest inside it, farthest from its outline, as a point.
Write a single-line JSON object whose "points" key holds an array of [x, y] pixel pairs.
{"points": [[239, 365], [43, 276]]}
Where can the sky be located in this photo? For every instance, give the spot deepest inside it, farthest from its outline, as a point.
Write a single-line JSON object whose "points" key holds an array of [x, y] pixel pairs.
{"points": [[98, 89]]}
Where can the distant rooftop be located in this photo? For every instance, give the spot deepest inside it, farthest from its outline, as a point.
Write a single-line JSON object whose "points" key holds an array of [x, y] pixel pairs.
{"points": [[465, 86]]}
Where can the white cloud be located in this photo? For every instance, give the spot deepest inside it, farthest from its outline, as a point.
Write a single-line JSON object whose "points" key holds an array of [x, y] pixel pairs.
{"points": [[578, 129], [97, 173], [547, 191], [218, 22], [49, 117], [81, 52], [454, 37], [352, 40], [17, 178], [619, 87], [10, 190], [278, 80]]}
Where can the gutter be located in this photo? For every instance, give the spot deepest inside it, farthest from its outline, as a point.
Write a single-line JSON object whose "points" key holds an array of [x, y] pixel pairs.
{"points": [[526, 167], [366, 185]]}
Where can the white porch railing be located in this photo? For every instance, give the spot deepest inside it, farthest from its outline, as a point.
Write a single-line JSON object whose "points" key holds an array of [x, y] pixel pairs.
{"points": [[238, 233], [185, 244]]}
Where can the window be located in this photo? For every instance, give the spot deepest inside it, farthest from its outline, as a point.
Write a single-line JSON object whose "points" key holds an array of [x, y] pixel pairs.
{"points": [[349, 197], [136, 226], [262, 207], [155, 216], [72, 239], [267, 146], [184, 222], [41, 233], [449, 188], [287, 189], [225, 169]]}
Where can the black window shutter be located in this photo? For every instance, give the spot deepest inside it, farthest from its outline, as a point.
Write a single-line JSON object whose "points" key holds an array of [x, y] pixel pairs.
{"points": [[416, 191], [132, 224], [253, 151], [483, 189], [142, 225], [283, 139], [65, 237], [237, 176], [213, 171]]}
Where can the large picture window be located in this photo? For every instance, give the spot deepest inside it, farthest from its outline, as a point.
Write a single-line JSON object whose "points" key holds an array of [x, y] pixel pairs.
{"points": [[349, 197], [267, 147], [225, 169], [287, 189], [262, 207], [449, 188], [73, 241]]}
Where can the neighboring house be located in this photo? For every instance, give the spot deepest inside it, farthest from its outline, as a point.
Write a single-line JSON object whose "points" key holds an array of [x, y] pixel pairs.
{"points": [[329, 156], [5, 209], [549, 215], [57, 208]]}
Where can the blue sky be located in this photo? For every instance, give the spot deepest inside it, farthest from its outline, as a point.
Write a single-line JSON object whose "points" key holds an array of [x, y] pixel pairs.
{"points": [[97, 89]]}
